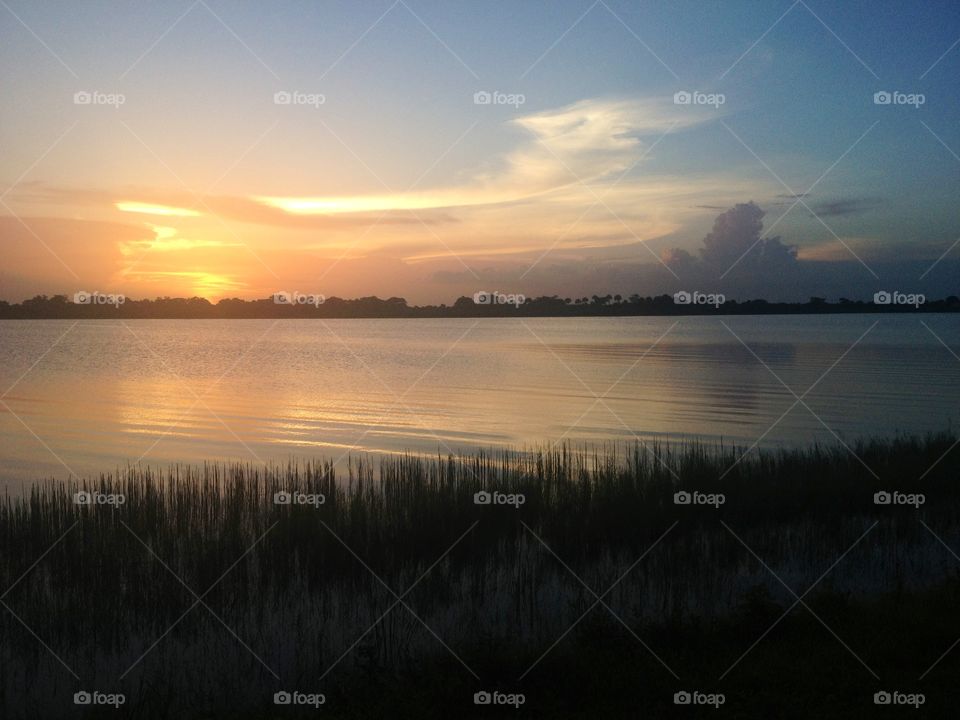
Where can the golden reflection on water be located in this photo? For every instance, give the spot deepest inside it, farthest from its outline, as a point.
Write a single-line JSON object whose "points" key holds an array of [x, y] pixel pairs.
{"points": [[195, 391]]}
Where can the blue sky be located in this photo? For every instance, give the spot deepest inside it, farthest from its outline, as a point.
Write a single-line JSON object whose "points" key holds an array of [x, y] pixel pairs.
{"points": [[498, 188]]}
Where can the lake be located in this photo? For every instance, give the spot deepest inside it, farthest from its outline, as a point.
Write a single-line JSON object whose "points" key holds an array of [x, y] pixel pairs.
{"points": [[93, 396]]}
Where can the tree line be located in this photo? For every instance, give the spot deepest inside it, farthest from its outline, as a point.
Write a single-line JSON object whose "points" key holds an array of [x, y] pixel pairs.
{"points": [[62, 307]]}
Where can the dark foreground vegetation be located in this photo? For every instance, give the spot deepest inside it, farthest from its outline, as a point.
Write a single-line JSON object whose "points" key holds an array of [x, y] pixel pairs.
{"points": [[582, 587], [62, 307]]}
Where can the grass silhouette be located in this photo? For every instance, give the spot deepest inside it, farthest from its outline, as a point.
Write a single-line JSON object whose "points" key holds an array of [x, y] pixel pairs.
{"points": [[201, 594]]}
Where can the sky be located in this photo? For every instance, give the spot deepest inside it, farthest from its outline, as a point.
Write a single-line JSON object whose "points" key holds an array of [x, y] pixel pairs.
{"points": [[429, 150]]}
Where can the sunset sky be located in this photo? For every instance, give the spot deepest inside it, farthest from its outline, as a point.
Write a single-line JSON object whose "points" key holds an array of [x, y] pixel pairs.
{"points": [[148, 148]]}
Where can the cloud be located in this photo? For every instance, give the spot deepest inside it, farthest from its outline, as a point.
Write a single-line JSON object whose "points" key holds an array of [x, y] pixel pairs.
{"points": [[872, 249], [564, 196], [735, 245], [56, 254], [185, 206], [63, 255], [844, 206], [584, 142], [838, 250], [166, 239], [189, 282], [147, 209]]}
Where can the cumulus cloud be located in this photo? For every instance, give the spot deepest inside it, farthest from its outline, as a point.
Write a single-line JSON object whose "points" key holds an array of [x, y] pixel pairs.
{"points": [[735, 245]]}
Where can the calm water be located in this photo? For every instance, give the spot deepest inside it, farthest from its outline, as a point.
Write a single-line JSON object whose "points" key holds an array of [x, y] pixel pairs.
{"points": [[94, 396]]}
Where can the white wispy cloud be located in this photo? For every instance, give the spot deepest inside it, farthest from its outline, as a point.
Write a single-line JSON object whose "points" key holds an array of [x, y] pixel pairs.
{"points": [[584, 142]]}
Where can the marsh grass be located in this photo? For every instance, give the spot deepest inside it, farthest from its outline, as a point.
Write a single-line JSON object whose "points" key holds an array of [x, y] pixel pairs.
{"points": [[300, 584]]}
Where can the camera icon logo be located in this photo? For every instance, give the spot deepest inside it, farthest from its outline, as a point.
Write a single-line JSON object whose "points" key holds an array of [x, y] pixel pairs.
{"points": [[81, 298], [82, 97], [882, 298], [282, 698], [82, 498], [882, 698], [482, 97], [882, 498], [682, 298], [282, 498], [482, 498], [882, 98], [82, 698], [482, 298], [482, 698], [682, 698], [282, 97], [682, 497], [282, 298], [682, 98]]}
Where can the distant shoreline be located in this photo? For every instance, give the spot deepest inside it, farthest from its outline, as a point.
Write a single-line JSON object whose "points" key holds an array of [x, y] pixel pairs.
{"points": [[719, 314], [59, 307]]}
